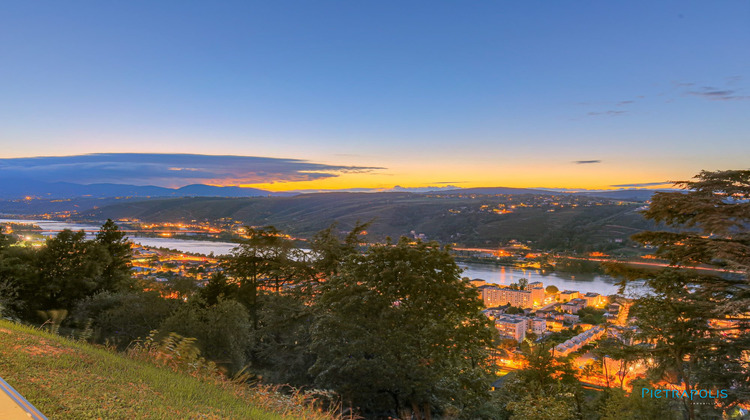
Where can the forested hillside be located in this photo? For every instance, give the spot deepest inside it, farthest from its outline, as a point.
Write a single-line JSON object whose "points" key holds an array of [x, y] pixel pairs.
{"points": [[560, 223]]}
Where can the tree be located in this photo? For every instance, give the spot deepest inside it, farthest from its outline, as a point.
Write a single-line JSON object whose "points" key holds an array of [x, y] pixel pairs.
{"points": [[281, 345], [120, 317], [182, 287], [512, 310], [551, 289], [522, 284], [616, 405], [696, 321], [591, 315], [218, 287], [330, 251], [116, 271], [264, 260], [552, 407], [397, 329], [69, 269], [616, 347], [5, 241], [16, 272], [222, 331], [547, 386]]}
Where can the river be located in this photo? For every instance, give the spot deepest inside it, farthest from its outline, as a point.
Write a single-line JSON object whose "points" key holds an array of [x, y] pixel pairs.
{"points": [[499, 274], [491, 273]]}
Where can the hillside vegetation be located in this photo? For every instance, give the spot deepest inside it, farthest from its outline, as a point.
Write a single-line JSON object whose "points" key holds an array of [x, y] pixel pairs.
{"points": [[68, 379], [583, 223]]}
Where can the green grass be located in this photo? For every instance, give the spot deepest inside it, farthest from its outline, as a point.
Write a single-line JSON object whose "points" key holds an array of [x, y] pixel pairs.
{"points": [[67, 379]]}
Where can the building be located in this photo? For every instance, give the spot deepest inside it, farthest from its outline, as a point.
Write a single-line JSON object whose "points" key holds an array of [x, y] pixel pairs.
{"points": [[568, 295], [548, 313], [573, 306], [510, 326], [573, 319], [537, 292], [594, 299], [493, 295], [493, 313], [538, 326], [477, 282], [578, 341], [555, 326]]}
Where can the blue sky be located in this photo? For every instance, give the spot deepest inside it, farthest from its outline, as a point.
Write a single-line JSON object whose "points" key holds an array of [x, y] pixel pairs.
{"points": [[480, 93]]}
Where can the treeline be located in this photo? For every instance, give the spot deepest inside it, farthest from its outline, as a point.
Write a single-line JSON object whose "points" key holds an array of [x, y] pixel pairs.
{"points": [[573, 265], [59, 275]]}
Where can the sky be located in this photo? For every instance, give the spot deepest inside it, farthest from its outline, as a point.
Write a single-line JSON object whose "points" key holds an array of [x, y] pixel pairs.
{"points": [[375, 94]]}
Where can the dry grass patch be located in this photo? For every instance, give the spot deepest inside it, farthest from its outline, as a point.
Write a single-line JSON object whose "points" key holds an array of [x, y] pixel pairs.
{"points": [[42, 349]]}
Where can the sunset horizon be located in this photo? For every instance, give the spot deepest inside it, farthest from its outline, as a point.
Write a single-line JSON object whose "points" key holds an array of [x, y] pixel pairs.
{"points": [[304, 175]]}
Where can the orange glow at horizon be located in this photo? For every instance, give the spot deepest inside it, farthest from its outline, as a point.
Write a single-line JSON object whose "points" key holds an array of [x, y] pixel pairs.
{"points": [[424, 174]]}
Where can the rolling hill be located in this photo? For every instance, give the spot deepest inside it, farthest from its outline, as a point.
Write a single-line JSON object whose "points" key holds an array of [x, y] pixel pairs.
{"points": [[572, 221]]}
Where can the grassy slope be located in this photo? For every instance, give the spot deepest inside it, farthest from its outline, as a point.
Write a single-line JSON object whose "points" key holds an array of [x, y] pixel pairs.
{"points": [[71, 380]]}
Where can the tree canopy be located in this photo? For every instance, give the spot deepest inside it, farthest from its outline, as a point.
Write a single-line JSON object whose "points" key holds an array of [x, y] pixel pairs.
{"points": [[398, 329], [695, 320], [116, 270]]}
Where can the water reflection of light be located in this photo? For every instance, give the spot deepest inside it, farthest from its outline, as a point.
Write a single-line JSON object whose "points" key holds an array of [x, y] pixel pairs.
{"points": [[506, 275]]}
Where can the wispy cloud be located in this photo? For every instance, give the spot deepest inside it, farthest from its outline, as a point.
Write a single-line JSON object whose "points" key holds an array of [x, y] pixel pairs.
{"points": [[170, 170], [399, 188], [586, 162], [716, 94], [611, 108], [642, 184], [396, 188], [610, 113], [731, 89]]}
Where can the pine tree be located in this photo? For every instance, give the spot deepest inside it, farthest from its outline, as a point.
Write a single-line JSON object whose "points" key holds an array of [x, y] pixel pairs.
{"points": [[696, 321], [116, 271]]}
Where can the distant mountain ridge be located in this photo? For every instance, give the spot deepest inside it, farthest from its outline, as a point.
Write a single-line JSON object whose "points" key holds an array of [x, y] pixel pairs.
{"points": [[17, 189], [495, 191], [13, 189], [627, 195]]}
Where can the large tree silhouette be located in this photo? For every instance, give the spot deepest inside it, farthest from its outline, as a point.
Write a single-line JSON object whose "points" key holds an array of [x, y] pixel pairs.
{"points": [[695, 321]]}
